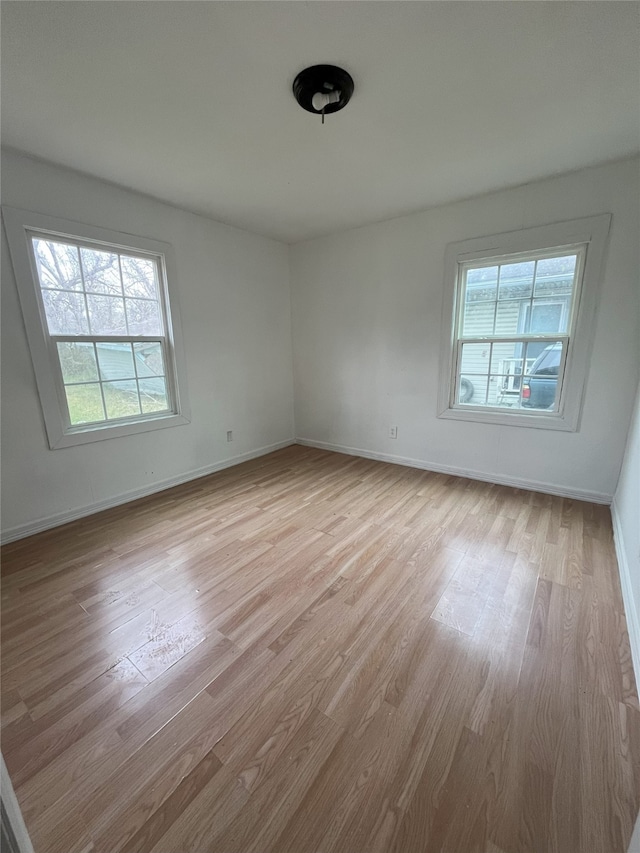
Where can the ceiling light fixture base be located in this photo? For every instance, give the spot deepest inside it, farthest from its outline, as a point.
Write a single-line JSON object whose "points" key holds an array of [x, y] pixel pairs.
{"points": [[320, 83]]}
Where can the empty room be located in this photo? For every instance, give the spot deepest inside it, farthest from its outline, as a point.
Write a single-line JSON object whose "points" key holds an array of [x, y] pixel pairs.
{"points": [[320, 427]]}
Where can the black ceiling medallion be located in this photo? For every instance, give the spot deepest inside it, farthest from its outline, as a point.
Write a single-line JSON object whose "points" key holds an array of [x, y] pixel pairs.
{"points": [[323, 89]]}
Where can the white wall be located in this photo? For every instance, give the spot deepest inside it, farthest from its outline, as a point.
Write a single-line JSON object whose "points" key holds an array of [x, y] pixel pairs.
{"points": [[233, 289], [366, 308], [626, 520]]}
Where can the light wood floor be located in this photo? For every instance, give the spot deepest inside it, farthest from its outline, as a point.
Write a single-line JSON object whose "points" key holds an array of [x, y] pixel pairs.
{"points": [[313, 653]]}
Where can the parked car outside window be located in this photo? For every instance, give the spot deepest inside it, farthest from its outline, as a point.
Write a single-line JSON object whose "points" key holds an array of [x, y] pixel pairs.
{"points": [[540, 384]]}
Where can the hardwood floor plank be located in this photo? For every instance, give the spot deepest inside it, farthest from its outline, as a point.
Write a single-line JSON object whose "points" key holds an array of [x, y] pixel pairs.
{"points": [[212, 810], [51, 735], [501, 638], [317, 653], [275, 798], [68, 837], [162, 818], [417, 792], [463, 601], [566, 798], [608, 827], [536, 809], [168, 755], [350, 769], [167, 647], [84, 765]]}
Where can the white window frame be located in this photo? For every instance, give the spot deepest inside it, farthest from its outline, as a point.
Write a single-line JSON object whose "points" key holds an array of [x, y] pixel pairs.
{"points": [[588, 238], [21, 226]]}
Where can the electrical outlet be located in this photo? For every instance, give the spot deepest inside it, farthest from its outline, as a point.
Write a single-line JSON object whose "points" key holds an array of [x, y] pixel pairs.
{"points": [[229, 435], [393, 432]]}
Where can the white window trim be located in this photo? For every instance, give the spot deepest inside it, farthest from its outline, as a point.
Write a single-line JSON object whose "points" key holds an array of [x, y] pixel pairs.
{"points": [[18, 224], [590, 232]]}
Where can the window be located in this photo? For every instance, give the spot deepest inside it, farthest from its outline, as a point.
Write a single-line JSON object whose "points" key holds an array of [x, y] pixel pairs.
{"points": [[101, 327], [520, 310], [511, 310]]}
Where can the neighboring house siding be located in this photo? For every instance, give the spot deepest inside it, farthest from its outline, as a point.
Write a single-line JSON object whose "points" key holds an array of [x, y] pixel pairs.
{"points": [[478, 319]]}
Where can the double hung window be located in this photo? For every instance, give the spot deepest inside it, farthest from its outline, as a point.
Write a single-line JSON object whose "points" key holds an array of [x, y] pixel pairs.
{"points": [[520, 315], [512, 310], [101, 327]]}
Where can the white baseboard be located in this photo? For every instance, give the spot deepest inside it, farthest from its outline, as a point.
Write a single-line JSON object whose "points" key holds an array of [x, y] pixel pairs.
{"points": [[20, 531], [500, 480], [633, 618]]}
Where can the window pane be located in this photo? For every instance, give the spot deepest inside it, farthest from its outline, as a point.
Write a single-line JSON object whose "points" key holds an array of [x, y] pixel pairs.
{"points": [[78, 362], [85, 403], [548, 362], [504, 391], [546, 317], [473, 390], [143, 317], [116, 361], [482, 284], [121, 399], [149, 360], [139, 277], [554, 276], [58, 265], [478, 318], [107, 315], [509, 375], [516, 280], [153, 395], [101, 271], [66, 312], [507, 359], [475, 358], [508, 317], [534, 348], [539, 385]]}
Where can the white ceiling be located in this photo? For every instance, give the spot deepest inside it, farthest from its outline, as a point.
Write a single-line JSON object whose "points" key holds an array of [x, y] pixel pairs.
{"points": [[191, 101]]}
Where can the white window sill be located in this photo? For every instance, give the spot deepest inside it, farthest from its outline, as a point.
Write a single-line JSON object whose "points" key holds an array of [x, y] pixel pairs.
{"points": [[100, 432], [532, 420]]}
